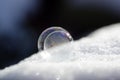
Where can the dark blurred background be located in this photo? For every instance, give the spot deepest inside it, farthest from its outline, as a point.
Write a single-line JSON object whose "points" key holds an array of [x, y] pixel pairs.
{"points": [[22, 21]]}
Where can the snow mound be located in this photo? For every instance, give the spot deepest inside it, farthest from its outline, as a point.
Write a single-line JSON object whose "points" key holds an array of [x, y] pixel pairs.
{"points": [[95, 57]]}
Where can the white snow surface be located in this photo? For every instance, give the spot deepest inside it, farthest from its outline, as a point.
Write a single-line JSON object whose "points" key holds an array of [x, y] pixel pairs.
{"points": [[95, 57]]}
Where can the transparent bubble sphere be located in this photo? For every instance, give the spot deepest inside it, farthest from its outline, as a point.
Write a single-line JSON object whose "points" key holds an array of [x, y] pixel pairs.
{"points": [[53, 36]]}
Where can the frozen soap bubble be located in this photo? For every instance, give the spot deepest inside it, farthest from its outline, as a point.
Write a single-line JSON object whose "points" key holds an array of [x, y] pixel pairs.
{"points": [[53, 36]]}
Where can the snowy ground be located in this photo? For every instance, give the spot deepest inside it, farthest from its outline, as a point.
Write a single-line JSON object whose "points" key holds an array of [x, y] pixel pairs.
{"points": [[95, 57]]}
